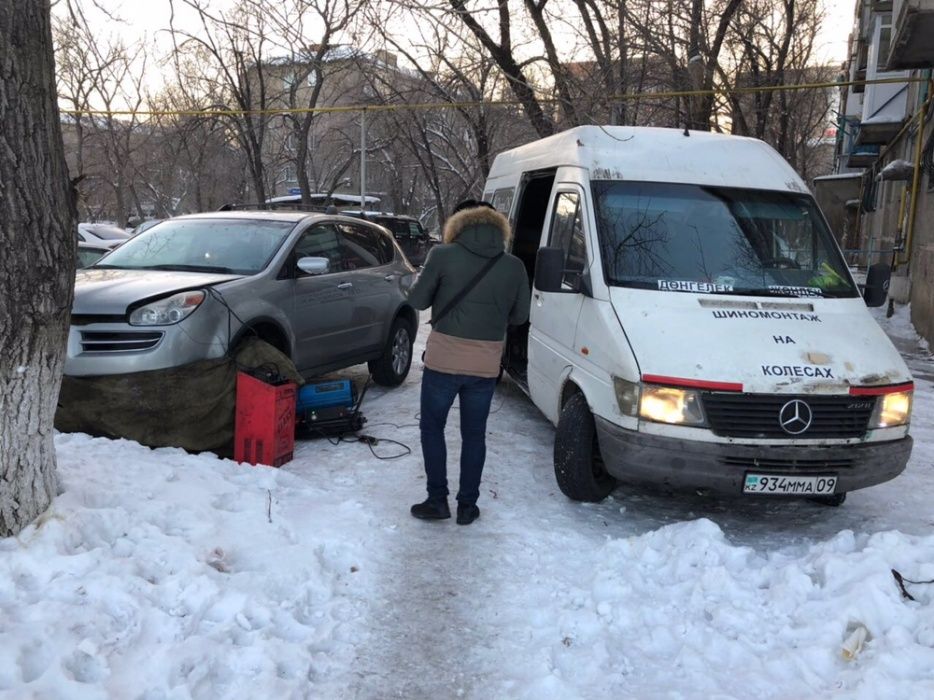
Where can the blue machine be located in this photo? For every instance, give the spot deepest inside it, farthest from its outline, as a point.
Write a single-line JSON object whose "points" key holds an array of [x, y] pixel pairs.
{"points": [[313, 397], [329, 408]]}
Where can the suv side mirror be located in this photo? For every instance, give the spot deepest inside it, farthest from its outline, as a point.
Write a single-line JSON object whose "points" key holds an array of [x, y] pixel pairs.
{"points": [[549, 269], [313, 266], [877, 284]]}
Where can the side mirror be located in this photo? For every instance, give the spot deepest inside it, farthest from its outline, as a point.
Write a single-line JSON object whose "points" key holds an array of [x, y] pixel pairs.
{"points": [[877, 284], [549, 269], [314, 266]]}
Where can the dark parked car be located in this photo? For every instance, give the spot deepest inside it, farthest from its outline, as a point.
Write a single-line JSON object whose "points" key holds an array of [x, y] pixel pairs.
{"points": [[88, 254], [328, 291], [407, 230]]}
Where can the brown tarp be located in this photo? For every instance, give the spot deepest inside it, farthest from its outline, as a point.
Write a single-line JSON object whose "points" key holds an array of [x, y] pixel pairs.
{"points": [[191, 406]]}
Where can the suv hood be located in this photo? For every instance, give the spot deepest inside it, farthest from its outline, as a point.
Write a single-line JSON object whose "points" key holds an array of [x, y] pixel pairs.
{"points": [[110, 292], [821, 346]]}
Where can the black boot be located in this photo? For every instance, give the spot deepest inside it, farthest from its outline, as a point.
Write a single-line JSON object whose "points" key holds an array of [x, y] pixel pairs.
{"points": [[467, 513], [432, 510]]}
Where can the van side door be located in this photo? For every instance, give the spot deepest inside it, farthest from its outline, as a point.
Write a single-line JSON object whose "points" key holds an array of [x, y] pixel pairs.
{"points": [[554, 316]]}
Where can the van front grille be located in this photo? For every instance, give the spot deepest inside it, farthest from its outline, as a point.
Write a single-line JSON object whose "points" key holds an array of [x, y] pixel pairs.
{"points": [[759, 415], [119, 341], [793, 465]]}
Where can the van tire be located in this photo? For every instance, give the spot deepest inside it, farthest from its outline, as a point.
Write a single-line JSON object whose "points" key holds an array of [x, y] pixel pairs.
{"points": [[833, 501], [579, 468], [392, 367]]}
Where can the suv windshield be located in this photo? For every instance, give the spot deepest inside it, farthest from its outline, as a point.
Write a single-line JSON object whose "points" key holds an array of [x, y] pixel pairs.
{"points": [[234, 246], [718, 240]]}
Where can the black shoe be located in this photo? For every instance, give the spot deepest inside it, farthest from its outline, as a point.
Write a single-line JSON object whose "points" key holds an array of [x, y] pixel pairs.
{"points": [[467, 513], [431, 510]]}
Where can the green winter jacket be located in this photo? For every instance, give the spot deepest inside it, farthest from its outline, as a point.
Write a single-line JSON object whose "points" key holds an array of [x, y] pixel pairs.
{"points": [[471, 238]]}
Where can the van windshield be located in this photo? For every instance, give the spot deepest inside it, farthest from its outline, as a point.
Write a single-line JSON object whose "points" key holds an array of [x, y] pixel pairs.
{"points": [[717, 240]]}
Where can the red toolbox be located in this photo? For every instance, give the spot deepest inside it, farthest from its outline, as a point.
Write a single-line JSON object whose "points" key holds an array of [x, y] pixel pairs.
{"points": [[264, 431]]}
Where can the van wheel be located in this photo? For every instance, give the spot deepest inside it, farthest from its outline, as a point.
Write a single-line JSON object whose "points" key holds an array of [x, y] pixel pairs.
{"points": [[835, 500], [392, 367], [579, 467]]}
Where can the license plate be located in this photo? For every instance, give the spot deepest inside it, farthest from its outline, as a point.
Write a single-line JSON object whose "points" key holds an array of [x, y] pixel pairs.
{"points": [[787, 484]]}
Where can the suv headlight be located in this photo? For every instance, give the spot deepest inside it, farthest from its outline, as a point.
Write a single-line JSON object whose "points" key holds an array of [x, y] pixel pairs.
{"points": [[167, 311], [892, 410]]}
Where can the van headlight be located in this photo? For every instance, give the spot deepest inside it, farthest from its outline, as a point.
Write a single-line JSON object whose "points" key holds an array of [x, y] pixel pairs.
{"points": [[167, 311], [664, 404], [892, 410]]}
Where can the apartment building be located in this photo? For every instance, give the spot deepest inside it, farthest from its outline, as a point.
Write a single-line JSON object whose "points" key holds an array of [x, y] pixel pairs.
{"points": [[883, 186]]}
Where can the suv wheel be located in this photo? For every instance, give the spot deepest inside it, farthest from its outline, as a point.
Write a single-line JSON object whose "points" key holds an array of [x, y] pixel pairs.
{"points": [[579, 467], [392, 367]]}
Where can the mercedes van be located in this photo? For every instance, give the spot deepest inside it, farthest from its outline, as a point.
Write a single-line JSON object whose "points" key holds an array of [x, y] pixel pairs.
{"points": [[693, 321]]}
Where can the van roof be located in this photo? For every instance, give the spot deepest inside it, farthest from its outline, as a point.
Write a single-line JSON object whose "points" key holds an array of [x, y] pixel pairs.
{"points": [[651, 154]]}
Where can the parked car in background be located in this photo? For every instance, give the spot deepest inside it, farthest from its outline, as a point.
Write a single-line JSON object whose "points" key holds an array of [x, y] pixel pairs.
{"points": [[407, 230], [90, 253], [104, 235], [145, 226], [328, 291]]}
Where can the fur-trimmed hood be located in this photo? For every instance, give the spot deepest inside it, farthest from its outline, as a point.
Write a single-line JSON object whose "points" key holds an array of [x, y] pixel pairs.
{"points": [[481, 230]]}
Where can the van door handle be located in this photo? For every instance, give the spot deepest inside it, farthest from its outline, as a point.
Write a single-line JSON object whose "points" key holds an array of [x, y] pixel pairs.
{"points": [[345, 285], [390, 278]]}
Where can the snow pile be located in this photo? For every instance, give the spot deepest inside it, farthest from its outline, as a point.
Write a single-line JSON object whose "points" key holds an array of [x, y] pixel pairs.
{"points": [[160, 575], [680, 612], [157, 572]]}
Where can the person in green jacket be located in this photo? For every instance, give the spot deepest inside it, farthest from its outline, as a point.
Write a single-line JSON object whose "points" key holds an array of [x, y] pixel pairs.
{"points": [[465, 346]]}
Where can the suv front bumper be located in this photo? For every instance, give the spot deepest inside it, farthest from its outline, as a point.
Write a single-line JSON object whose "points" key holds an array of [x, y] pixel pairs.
{"points": [[689, 464]]}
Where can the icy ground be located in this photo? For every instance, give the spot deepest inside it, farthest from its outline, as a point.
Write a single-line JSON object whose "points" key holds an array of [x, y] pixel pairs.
{"points": [[162, 575]]}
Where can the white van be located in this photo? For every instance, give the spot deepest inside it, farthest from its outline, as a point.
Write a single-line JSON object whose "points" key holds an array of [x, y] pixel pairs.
{"points": [[693, 321]]}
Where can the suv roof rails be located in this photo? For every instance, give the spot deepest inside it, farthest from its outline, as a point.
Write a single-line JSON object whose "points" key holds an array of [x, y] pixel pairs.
{"points": [[270, 206]]}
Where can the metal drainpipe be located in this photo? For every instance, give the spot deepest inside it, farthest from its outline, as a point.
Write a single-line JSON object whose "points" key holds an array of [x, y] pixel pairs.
{"points": [[915, 182]]}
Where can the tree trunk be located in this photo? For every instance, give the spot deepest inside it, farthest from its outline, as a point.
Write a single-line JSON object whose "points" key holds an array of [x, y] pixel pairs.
{"points": [[37, 237]]}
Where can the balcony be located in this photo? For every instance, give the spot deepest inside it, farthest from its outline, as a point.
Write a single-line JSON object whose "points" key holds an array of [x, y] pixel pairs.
{"points": [[862, 156], [912, 35]]}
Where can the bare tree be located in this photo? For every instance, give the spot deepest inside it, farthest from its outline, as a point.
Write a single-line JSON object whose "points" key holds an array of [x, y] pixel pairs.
{"points": [[97, 77], [36, 269], [308, 66], [230, 49]]}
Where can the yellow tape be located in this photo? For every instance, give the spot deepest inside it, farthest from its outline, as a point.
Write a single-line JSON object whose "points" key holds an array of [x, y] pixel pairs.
{"points": [[478, 103]]}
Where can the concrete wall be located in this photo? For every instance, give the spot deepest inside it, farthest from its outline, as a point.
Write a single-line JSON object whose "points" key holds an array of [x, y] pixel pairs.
{"points": [[832, 195], [922, 254]]}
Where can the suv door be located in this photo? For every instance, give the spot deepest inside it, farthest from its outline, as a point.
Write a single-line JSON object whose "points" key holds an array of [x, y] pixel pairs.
{"points": [[322, 305], [367, 254]]}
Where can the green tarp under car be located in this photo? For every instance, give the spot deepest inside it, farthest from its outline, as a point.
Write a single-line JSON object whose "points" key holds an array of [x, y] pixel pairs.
{"points": [[191, 406]]}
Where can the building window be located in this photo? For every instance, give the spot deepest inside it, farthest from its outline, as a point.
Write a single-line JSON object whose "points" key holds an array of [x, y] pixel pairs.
{"points": [[312, 77], [289, 79], [287, 174], [885, 42], [927, 162]]}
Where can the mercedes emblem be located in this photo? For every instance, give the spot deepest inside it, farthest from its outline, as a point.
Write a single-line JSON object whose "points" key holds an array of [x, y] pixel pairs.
{"points": [[795, 417]]}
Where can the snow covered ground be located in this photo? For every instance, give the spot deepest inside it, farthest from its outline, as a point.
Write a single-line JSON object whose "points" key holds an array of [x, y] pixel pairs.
{"points": [[161, 575]]}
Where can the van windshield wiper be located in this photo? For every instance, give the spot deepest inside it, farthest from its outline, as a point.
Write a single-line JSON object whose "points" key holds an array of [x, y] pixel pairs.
{"points": [[775, 293], [189, 268]]}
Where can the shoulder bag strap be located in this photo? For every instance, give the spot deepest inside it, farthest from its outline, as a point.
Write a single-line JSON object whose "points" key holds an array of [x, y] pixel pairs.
{"points": [[466, 290]]}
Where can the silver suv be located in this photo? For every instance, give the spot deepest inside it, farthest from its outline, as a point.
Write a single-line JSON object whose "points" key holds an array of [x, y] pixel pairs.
{"points": [[329, 291]]}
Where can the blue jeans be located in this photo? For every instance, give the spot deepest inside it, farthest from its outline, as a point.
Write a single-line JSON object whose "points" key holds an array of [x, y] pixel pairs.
{"points": [[438, 393]]}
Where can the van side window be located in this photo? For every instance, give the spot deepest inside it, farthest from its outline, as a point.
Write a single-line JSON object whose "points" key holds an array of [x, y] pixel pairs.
{"points": [[502, 200], [567, 233]]}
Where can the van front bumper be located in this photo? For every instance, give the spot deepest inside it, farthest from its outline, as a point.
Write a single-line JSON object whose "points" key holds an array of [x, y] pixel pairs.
{"points": [[689, 464]]}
